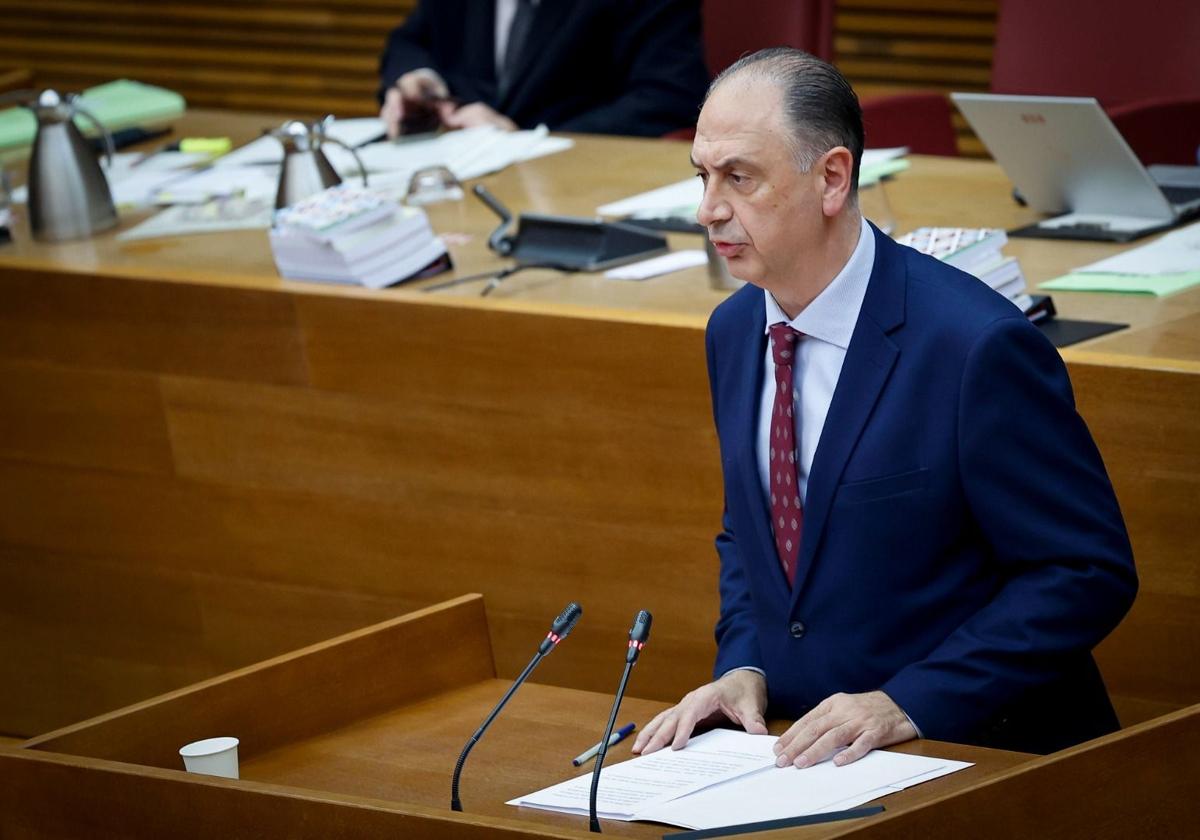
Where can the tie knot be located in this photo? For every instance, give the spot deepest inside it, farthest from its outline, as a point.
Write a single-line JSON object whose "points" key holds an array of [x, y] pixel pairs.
{"points": [[783, 344]]}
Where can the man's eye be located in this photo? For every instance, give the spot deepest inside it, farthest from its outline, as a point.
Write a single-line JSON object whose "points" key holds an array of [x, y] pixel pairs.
{"points": [[737, 179], [703, 176]]}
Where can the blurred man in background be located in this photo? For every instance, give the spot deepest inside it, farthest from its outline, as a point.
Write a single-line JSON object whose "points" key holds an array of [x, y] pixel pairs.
{"points": [[595, 66]]}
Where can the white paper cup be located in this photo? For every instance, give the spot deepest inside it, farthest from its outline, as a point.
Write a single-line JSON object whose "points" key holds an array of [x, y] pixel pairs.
{"points": [[212, 757]]}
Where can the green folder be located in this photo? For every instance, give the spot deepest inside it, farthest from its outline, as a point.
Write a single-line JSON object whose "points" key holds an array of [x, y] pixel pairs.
{"points": [[1145, 284], [119, 104]]}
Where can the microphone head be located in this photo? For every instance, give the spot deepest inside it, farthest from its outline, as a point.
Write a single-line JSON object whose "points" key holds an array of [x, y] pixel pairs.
{"points": [[639, 633], [567, 619], [562, 625]]}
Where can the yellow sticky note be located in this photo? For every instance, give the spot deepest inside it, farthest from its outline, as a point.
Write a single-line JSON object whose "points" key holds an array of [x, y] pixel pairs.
{"points": [[206, 145]]}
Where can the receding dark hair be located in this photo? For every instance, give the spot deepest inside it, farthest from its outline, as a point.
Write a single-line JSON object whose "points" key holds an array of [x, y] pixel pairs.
{"points": [[822, 109]]}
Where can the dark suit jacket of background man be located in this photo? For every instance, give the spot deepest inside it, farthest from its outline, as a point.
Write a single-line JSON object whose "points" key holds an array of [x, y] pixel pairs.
{"points": [[962, 547], [594, 66]]}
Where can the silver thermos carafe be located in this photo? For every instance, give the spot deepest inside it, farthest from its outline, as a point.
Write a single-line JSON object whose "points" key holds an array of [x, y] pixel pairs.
{"points": [[68, 193], [306, 170]]}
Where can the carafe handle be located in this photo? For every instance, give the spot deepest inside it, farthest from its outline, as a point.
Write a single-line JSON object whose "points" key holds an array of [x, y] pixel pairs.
{"points": [[362, 170], [109, 147]]}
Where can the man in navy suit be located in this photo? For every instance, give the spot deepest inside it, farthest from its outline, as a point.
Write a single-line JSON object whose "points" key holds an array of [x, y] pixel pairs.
{"points": [[595, 66], [920, 538]]}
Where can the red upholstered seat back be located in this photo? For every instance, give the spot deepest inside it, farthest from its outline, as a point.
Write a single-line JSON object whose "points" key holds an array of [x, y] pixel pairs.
{"points": [[1118, 51], [735, 27]]}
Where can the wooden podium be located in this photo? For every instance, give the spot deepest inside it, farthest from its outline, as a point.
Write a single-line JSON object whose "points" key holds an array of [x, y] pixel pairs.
{"points": [[357, 737]]}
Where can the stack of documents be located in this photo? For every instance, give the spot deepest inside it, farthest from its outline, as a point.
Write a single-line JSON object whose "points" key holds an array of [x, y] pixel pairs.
{"points": [[1169, 264], [977, 251], [726, 778], [350, 235]]}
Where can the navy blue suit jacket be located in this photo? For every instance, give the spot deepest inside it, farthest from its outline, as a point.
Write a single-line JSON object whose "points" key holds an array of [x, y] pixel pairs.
{"points": [[594, 66], [962, 547]]}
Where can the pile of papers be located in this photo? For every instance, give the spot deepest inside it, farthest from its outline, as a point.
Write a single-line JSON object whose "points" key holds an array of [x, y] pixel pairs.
{"points": [[977, 251], [351, 235], [1169, 264], [724, 778]]}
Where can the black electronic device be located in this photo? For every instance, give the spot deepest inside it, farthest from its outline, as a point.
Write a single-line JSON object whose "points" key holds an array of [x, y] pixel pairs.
{"points": [[639, 634], [568, 242], [559, 629]]}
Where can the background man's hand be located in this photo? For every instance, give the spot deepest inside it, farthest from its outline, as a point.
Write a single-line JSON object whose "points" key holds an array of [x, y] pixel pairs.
{"points": [[859, 722], [415, 93], [469, 116], [740, 696]]}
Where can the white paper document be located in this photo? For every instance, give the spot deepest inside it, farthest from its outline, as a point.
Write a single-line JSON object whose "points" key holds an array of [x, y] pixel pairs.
{"points": [[728, 778], [653, 267], [1175, 253]]}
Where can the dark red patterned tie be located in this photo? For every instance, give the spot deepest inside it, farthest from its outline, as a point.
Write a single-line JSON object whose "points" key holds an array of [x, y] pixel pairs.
{"points": [[787, 516]]}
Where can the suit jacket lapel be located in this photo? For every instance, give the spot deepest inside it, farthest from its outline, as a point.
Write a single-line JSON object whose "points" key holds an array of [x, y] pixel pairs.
{"points": [[867, 366], [744, 426]]}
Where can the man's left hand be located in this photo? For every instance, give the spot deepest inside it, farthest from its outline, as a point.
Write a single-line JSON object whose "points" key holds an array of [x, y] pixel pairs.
{"points": [[475, 114], [858, 722]]}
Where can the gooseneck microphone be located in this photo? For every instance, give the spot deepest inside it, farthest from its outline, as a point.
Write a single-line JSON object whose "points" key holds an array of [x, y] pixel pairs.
{"points": [[562, 626], [639, 634]]}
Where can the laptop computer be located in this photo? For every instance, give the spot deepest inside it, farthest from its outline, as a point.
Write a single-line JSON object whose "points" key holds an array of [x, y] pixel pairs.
{"points": [[1064, 156]]}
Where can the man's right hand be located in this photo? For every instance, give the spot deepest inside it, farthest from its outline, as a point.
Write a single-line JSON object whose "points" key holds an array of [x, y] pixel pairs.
{"points": [[740, 696], [417, 92]]}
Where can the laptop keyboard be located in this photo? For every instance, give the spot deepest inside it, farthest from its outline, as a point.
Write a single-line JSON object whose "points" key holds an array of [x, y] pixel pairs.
{"points": [[1181, 195]]}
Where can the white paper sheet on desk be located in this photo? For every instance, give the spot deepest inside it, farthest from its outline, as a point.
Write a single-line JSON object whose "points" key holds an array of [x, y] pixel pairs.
{"points": [[214, 217], [267, 150], [468, 153], [250, 182], [632, 785], [134, 178], [779, 793], [1175, 253], [653, 267]]}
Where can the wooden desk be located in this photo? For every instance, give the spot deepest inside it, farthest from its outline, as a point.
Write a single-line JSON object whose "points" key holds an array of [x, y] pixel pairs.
{"points": [[203, 465], [351, 737]]}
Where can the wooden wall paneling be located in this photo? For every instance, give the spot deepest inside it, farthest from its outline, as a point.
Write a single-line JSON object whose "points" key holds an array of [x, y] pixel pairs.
{"points": [[110, 323], [895, 46], [45, 795], [296, 56], [299, 694], [105, 420], [1153, 457]]}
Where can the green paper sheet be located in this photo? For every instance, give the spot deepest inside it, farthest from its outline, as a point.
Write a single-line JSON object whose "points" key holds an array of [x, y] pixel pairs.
{"points": [[1141, 284], [118, 104], [869, 175]]}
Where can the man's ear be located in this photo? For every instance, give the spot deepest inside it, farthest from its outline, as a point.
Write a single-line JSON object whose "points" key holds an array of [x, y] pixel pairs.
{"points": [[837, 168]]}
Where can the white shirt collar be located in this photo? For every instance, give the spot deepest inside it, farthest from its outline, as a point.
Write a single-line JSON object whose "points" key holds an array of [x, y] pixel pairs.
{"points": [[832, 314]]}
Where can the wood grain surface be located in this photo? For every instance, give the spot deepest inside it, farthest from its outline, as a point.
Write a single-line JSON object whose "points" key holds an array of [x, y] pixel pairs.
{"points": [[203, 465]]}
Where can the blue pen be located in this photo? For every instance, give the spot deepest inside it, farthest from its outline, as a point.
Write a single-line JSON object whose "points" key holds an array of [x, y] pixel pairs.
{"points": [[618, 736]]}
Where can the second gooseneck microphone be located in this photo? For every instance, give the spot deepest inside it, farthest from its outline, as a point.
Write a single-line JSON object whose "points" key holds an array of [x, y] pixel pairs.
{"points": [[639, 634], [562, 625]]}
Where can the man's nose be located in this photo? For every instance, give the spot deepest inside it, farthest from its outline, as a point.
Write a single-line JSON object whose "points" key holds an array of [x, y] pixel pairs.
{"points": [[712, 209]]}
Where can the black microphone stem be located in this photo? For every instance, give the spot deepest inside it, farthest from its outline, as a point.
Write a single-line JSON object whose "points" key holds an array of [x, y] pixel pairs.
{"points": [[612, 719], [455, 802]]}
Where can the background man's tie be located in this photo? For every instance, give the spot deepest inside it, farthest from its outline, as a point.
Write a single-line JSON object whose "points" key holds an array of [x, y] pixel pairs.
{"points": [[518, 34]]}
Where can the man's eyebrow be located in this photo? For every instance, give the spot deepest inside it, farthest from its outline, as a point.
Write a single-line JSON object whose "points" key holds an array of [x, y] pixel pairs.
{"points": [[726, 163]]}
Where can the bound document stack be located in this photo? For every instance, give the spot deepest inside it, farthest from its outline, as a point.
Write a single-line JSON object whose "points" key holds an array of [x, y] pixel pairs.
{"points": [[353, 235], [979, 251]]}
